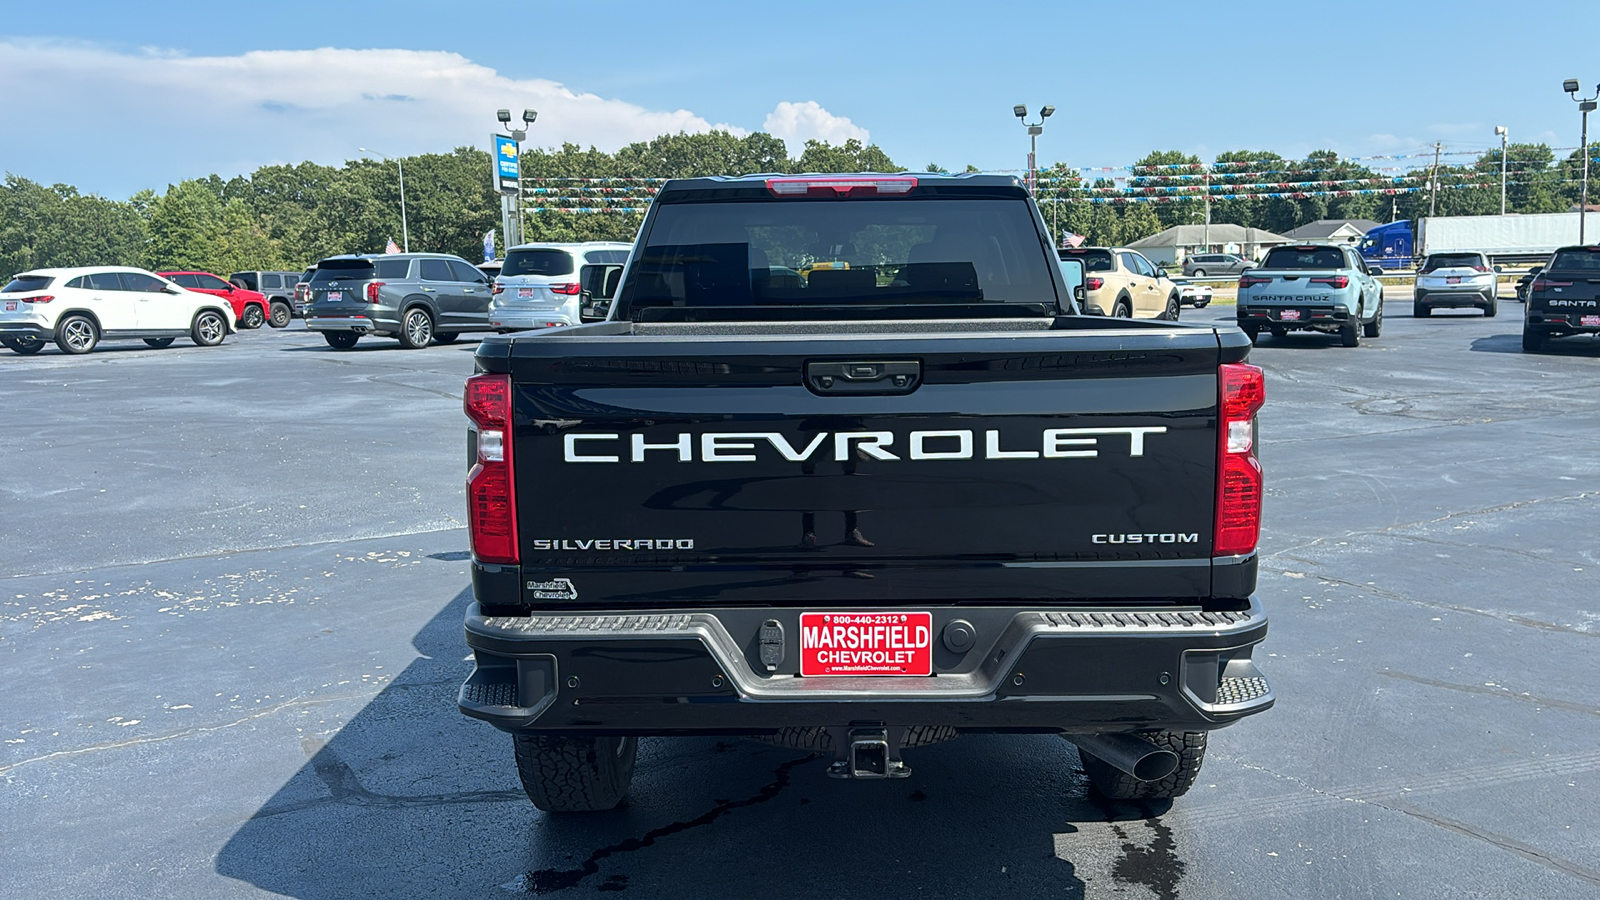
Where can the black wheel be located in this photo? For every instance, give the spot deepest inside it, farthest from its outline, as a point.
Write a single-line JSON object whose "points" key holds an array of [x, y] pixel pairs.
{"points": [[1375, 327], [1420, 310], [281, 314], [209, 329], [416, 329], [27, 345], [573, 774], [253, 317], [159, 343], [1115, 784], [1533, 341], [1253, 332], [341, 340], [1490, 308], [1122, 310], [1350, 332], [1199, 273], [1171, 312], [448, 337], [77, 334]]}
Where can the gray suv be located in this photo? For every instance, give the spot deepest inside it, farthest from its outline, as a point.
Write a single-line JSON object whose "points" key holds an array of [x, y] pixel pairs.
{"points": [[416, 297], [278, 287], [1202, 264]]}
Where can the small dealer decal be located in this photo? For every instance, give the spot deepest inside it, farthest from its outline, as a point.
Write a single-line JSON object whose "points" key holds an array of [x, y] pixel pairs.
{"points": [[554, 589], [866, 643]]}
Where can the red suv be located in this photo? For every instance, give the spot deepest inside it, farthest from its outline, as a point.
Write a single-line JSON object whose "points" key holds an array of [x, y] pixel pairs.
{"points": [[249, 307]]}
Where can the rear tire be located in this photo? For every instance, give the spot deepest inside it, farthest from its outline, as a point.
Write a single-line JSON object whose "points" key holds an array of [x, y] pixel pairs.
{"points": [[1375, 327], [341, 340], [1122, 309], [1199, 273], [209, 329], [159, 343], [77, 334], [281, 314], [253, 317], [1114, 784], [416, 329], [1171, 312], [575, 774], [1350, 333], [1420, 310], [1253, 332], [26, 345], [1533, 341], [1490, 308], [448, 337]]}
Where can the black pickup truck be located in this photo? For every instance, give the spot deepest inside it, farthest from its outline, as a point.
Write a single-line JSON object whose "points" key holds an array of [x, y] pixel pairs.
{"points": [[845, 470], [1563, 299]]}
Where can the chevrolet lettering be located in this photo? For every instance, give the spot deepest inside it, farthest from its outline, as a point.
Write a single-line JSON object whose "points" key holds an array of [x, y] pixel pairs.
{"points": [[847, 469], [741, 446]]}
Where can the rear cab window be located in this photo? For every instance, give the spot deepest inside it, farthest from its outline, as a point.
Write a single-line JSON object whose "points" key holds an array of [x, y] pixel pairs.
{"points": [[543, 261], [828, 252], [1093, 260], [606, 257], [23, 283], [1576, 259], [1304, 258]]}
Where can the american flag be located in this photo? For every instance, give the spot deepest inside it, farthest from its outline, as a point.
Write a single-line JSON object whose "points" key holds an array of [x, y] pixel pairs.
{"points": [[1068, 239], [392, 247]]}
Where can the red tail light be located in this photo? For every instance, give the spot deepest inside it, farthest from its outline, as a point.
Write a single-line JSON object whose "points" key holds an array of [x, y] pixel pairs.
{"points": [[1241, 391], [1249, 280], [372, 291], [491, 484], [1093, 284], [1480, 268], [44, 299], [842, 186], [498, 288], [1542, 282], [1335, 281], [569, 288]]}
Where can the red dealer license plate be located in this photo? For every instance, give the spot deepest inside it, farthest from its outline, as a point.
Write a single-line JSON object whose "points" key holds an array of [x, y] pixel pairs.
{"points": [[11, 306], [855, 643], [1290, 315], [1589, 320]]}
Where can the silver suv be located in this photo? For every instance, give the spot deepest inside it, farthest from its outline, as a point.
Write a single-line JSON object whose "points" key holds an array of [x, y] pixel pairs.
{"points": [[545, 285], [416, 297], [1202, 264]]}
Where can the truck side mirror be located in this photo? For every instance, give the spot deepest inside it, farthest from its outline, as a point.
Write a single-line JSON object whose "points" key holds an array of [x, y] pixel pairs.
{"points": [[1079, 294]]}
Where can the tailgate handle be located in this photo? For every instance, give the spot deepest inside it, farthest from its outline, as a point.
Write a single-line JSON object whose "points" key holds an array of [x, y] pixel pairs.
{"points": [[865, 377]]}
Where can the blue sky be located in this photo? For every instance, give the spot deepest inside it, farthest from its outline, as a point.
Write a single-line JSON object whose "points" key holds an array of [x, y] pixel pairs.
{"points": [[159, 91]]}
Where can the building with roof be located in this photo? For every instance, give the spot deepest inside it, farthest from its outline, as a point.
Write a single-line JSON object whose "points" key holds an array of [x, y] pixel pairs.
{"points": [[1172, 245], [1338, 231]]}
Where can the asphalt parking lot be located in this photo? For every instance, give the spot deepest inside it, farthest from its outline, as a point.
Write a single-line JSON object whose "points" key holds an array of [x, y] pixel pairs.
{"points": [[232, 582]]}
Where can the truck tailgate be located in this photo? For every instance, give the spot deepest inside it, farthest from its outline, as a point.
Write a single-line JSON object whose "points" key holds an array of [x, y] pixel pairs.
{"points": [[1056, 465]]}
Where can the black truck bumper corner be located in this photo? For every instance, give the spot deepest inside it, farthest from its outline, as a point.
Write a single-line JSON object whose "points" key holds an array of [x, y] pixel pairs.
{"points": [[698, 671]]}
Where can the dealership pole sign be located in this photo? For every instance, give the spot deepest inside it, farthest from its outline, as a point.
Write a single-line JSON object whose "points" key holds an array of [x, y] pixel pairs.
{"points": [[506, 164]]}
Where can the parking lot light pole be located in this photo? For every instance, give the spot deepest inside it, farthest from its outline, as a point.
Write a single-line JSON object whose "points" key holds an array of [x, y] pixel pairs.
{"points": [[1584, 106], [1501, 131], [1034, 130], [405, 232]]}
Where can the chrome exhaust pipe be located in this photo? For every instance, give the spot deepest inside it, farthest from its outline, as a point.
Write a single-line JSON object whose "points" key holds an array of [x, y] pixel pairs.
{"points": [[1128, 753]]}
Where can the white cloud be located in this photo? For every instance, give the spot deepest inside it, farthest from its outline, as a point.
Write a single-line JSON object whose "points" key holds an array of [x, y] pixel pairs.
{"points": [[144, 119], [797, 123]]}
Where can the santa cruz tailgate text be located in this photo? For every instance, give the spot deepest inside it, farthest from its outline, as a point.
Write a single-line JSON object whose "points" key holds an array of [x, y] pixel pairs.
{"points": [[866, 643]]}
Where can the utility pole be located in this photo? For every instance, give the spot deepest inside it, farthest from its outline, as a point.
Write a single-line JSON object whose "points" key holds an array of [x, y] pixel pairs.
{"points": [[1504, 136], [405, 229], [1433, 180]]}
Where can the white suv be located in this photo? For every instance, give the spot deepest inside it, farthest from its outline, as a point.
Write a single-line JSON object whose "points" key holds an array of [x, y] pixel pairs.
{"points": [[78, 308], [543, 285]]}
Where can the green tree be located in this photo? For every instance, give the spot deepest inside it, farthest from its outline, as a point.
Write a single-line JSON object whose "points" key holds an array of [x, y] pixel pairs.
{"points": [[1139, 220], [56, 226], [1153, 176], [851, 156]]}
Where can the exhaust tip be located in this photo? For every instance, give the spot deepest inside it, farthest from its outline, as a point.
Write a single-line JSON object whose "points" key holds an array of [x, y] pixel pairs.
{"points": [[1128, 753], [1155, 766]]}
